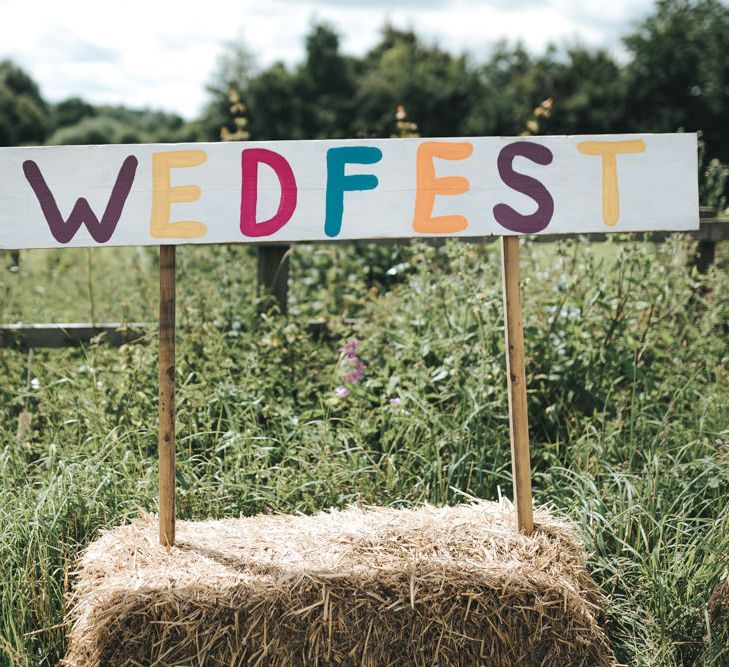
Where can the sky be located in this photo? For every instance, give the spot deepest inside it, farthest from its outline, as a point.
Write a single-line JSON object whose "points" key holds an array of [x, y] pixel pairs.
{"points": [[160, 53]]}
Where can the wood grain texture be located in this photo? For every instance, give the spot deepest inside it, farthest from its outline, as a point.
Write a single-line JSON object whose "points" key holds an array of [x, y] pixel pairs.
{"points": [[167, 395], [516, 380]]}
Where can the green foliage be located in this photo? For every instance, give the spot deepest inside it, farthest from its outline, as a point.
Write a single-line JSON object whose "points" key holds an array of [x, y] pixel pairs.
{"points": [[72, 111], [713, 180], [233, 72], [628, 359], [329, 78], [118, 125], [673, 80], [591, 92], [23, 113], [713, 185], [95, 130], [678, 72], [314, 101], [628, 376], [437, 88]]}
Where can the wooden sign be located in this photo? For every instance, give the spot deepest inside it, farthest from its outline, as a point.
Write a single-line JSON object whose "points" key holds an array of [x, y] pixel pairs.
{"points": [[288, 191], [350, 189]]}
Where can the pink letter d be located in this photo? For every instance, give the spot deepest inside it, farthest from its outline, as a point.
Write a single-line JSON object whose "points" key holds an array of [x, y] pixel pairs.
{"points": [[249, 192]]}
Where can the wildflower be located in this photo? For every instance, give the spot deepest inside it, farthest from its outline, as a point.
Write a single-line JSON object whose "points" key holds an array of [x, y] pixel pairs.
{"points": [[351, 363], [395, 401], [341, 392], [350, 349], [35, 384], [356, 374]]}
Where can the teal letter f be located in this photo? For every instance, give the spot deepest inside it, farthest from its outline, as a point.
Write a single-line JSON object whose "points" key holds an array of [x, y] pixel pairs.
{"points": [[338, 183]]}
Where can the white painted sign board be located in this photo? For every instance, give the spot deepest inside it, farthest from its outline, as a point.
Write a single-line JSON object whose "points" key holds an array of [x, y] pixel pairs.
{"points": [[287, 191]]}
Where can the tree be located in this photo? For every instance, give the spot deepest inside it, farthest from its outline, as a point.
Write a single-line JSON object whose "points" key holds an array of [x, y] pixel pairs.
{"points": [[438, 89], [589, 90], [120, 125], [95, 130], [23, 112], [275, 105], [679, 73], [314, 100], [327, 81], [233, 72], [507, 91], [71, 111]]}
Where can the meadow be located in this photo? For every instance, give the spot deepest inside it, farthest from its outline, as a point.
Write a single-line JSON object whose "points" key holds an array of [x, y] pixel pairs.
{"points": [[628, 380]]}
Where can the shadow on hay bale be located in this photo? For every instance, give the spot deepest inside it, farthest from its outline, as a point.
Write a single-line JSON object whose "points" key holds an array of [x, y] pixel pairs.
{"points": [[430, 586]]}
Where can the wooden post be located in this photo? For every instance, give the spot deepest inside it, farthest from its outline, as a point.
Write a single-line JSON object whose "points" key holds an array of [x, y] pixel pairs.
{"points": [[167, 395], [705, 256], [516, 380], [705, 253], [273, 273]]}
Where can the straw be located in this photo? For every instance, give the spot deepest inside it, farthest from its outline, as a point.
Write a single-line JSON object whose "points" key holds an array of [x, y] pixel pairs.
{"points": [[376, 586]]}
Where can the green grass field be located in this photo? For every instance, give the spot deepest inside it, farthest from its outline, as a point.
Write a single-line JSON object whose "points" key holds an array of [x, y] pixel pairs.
{"points": [[628, 376]]}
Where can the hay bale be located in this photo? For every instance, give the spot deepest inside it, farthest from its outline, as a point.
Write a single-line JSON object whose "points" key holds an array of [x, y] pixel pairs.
{"points": [[430, 586], [719, 603]]}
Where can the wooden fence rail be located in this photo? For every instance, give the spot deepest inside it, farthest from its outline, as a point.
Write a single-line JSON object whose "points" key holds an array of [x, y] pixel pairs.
{"points": [[71, 334]]}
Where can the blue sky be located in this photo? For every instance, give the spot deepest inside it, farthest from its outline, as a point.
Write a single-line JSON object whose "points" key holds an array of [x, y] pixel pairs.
{"points": [[160, 53]]}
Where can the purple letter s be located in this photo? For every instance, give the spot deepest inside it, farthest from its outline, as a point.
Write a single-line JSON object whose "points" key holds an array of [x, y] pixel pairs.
{"points": [[507, 216]]}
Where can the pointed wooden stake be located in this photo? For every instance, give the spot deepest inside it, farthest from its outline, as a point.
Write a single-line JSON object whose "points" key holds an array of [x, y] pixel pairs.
{"points": [[516, 380], [167, 395]]}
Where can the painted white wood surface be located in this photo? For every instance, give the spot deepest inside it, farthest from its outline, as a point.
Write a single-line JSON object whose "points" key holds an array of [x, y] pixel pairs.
{"points": [[656, 189]]}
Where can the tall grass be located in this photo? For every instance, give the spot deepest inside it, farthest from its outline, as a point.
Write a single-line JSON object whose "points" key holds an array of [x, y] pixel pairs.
{"points": [[628, 397]]}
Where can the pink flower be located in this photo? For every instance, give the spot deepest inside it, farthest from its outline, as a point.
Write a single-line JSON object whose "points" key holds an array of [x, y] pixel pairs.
{"points": [[341, 392], [356, 374], [395, 401], [350, 348], [351, 364]]}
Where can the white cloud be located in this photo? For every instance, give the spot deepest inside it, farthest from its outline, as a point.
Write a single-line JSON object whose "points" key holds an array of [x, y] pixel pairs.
{"points": [[160, 53]]}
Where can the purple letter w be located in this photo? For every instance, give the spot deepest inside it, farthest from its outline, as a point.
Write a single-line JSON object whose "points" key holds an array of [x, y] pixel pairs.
{"points": [[64, 231]]}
